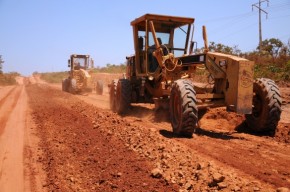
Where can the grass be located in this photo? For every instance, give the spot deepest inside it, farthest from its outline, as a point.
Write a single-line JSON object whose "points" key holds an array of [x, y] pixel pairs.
{"points": [[57, 77], [54, 77], [8, 79]]}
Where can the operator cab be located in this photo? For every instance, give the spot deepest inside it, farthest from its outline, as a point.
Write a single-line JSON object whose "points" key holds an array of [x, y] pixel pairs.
{"points": [[172, 33], [77, 62]]}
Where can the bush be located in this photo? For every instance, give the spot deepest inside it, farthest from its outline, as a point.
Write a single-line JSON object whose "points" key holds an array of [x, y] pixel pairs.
{"points": [[8, 78], [286, 72], [54, 77], [111, 68]]}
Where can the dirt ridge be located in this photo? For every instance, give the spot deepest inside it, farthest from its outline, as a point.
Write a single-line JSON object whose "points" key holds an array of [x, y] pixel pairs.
{"points": [[170, 157]]}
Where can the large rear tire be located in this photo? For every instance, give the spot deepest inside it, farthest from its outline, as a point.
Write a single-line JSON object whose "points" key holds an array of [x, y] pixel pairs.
{"points": [[65, 85], [73, 86], [123, 96], [113, 92], [183, 108], [99, 87], [266, 106], [62, 85]]}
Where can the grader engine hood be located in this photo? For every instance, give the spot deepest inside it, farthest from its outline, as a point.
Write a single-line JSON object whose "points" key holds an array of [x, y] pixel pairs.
{"points": [[83, 79], [85, 73], [237, 76]]}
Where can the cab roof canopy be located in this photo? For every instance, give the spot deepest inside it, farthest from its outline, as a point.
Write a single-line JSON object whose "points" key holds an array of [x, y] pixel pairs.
{"points": [[80, 56], [162, 23]]}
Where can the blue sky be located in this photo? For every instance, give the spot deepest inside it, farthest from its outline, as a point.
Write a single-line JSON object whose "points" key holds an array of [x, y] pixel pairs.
{"points": [[39, 35]]}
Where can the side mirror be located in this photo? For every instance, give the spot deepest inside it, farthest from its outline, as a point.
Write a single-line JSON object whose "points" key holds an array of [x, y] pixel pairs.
{"points": [[68, 63]]}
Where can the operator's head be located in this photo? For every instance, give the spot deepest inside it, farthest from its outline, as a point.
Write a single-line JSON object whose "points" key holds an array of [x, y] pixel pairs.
{"points": [[159, 40]]}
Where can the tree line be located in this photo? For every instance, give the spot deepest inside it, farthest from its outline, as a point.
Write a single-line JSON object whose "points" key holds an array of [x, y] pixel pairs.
{"points": [[272, 61], [1, 64]]}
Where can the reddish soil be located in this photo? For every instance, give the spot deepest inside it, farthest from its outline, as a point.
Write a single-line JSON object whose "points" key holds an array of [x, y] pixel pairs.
{"points": [[75, 143], [12, 104]]}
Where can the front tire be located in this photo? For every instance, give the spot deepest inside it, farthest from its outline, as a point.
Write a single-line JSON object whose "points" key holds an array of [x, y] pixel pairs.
{"points": [[183, 108], [123, 96], [266, 106], [73, 86], [99, 87], [113, 92], [65, 85]]}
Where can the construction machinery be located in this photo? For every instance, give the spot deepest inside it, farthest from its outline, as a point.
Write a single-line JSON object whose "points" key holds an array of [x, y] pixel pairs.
{"points": [[163, 68], [79, 79], [99, 87]]}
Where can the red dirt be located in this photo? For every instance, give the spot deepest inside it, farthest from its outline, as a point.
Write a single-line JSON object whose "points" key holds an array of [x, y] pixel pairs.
{"points": [[80, 157], [13, 108], [74, 143]]}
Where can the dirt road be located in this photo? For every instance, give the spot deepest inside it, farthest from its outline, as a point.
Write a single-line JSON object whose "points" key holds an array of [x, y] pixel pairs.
{"points": [[74, 143], [13, 106]]}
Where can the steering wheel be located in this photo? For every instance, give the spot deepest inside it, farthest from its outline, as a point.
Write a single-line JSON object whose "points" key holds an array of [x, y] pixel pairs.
{"points": [[165, 49]]}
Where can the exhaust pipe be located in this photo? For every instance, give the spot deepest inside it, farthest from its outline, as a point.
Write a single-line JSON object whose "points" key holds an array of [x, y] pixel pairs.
{"points": [[204, 35]]}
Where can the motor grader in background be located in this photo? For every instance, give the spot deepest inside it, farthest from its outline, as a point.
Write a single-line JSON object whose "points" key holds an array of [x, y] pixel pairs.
{"points": [[163, 68], [79, 79]]}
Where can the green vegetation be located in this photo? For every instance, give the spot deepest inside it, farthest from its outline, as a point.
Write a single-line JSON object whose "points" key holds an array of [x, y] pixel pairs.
{"points": [[57, 77], [8, 78], [273, 61], [1, 65], [53, 77], [111, 68], [276, 70]]}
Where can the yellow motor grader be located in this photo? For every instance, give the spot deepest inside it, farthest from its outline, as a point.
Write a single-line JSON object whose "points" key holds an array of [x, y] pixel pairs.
{"points": [[163, 68], [79, 79]]}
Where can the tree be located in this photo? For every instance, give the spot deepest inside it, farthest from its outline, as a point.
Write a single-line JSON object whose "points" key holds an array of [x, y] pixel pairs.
{"points": [[236, 50], [272, 46], [1, 66], [223, 48]]}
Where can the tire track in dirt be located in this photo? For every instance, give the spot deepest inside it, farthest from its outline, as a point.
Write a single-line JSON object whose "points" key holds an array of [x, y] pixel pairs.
{"points": [[253, 158], [7, 105], [12, 140], [3, 99]]}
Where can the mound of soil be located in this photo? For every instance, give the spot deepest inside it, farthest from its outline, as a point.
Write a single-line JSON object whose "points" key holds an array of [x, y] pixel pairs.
{"points": [[78, 155], [90, 149]]}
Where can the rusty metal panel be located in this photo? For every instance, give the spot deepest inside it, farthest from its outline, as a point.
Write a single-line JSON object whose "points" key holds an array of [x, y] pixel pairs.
{"points": [[239, 90], [213, 66], [245, 87], [232, 84]]}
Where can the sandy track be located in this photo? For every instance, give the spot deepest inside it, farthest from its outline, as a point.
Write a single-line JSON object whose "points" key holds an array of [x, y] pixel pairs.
{"points": [[18, 143], [12, 125]]}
